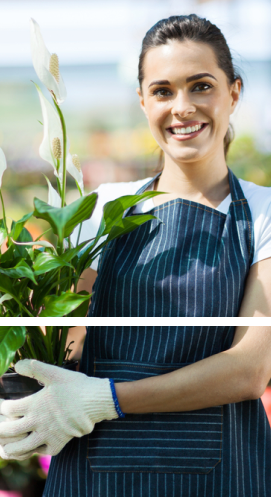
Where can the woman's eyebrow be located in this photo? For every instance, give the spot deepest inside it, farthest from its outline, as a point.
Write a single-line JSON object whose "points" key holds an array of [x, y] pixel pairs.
{"points": [[191, 78], [199, 76]]}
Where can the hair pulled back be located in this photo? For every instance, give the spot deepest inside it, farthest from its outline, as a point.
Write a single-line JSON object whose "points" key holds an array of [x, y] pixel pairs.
{"points": [[198, 29]]}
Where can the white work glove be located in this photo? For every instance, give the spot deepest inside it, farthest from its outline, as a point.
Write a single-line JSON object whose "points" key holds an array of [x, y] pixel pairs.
{"points": [[9, 439], [68, 406]]}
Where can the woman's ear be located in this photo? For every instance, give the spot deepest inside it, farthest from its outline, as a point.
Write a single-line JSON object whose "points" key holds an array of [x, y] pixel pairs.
{"points": [[235, 94], [141, 101]]}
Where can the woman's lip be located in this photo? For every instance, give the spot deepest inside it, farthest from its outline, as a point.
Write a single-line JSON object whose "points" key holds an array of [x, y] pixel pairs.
{"points": [[187, 136]]}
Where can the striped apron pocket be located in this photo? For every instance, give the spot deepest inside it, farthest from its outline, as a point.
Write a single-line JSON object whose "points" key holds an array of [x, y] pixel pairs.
{"points": [[176, 442]]}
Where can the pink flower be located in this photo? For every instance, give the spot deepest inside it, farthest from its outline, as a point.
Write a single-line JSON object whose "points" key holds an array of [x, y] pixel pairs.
{"points": [[44, 464], [266, 400], [4, 493]]}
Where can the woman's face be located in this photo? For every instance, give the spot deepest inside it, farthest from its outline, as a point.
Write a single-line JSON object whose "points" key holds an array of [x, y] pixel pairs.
{"points": [[187, 99]]}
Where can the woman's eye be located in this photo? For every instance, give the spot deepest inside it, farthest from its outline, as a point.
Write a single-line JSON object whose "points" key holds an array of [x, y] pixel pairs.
{"points": [[202, 87], [162, 92]]}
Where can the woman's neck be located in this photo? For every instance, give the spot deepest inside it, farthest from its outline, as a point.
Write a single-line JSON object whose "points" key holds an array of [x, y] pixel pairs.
{"points": [[206, 183]]}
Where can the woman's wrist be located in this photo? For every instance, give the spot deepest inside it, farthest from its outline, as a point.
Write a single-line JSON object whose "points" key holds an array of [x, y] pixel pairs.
{"points": [[115, 399]]}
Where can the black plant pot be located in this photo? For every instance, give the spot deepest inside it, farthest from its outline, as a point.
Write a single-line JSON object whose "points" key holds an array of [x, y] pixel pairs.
{"points": [[14, 386]]}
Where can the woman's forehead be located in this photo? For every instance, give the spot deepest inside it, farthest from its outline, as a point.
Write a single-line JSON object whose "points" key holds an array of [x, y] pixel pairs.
{"points": [[180, 57]]}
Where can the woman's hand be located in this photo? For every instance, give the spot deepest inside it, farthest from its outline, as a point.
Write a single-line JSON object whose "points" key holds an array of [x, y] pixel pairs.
{"points": [[68, 406]]}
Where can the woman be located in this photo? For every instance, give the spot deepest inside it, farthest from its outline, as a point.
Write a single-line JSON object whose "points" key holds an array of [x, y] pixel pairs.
{"points": [[194, 424]]}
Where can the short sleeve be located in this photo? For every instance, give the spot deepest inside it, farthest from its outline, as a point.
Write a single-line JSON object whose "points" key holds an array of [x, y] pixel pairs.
{"points": [[259, 201], [262, 232]]}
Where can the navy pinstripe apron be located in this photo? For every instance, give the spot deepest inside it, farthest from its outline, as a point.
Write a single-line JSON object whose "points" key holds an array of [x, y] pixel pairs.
{"points": [[196, 264]]}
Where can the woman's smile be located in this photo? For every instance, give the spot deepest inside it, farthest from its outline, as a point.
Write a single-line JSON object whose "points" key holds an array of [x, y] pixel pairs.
{"points": [[188, 101], [186, 131]]}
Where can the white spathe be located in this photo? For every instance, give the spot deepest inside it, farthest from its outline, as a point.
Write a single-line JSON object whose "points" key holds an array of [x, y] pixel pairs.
{"points": [[41, 62], [52, 129], [53, 197], [77, 175], [3, 165]]}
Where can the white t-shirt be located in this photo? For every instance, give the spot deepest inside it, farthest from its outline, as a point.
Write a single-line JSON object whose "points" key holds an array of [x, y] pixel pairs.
{"points": [[258, 197]]}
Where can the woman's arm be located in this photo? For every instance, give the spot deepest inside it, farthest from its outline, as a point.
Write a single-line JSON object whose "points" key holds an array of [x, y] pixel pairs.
{"points": [[257, 296], [223, 378], [240, 373], [87, 280]]}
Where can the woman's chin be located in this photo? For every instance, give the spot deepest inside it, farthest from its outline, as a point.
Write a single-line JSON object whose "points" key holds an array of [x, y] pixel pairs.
{"points": [[188, 155]]}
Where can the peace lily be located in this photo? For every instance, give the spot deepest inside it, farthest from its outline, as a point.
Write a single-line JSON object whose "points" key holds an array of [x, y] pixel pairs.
{"points": [[51, 148], [53, 197], [39, 277], [46, 64]]}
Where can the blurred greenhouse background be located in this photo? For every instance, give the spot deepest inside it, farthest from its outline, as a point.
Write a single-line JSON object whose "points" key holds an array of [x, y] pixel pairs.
{"points": [[98, 44]]}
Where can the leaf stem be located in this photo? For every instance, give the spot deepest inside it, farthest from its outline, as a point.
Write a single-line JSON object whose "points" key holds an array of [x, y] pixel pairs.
{"points": [[49, 330], [63, 340], [79, 233], [63, 190], [44, 233], [63, 125], [70, 269]]}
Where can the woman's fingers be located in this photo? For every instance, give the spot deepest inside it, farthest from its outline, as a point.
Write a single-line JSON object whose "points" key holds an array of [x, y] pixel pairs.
{"points": [[23, 448], [15, 408], [14, 428]]}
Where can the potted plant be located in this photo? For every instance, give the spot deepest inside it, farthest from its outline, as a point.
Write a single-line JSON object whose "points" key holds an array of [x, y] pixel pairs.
{"points": [[39, 277]]}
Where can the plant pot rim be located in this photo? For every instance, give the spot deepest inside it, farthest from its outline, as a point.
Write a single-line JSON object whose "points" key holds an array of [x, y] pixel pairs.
{"points": [[67, 363], [14, 385]]}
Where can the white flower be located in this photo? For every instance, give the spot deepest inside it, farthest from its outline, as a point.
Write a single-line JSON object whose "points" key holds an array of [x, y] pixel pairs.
{"points": [[3, 165], [75, 171], [52, 143], [46, 64], [53, 197]]}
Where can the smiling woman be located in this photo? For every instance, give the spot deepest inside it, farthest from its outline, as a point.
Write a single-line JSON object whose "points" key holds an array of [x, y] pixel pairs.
{"points": [[168, 411]]}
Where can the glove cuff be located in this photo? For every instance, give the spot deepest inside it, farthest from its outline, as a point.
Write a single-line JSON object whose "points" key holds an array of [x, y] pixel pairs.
{"points": [[115, 399], [99, 400]]}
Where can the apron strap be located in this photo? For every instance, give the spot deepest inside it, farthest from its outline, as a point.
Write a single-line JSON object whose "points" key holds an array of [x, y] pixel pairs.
{"points": [[142, 189]]}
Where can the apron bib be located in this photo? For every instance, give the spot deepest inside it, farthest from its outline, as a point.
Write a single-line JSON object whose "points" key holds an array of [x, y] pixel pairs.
{"points": [[192, 262]]}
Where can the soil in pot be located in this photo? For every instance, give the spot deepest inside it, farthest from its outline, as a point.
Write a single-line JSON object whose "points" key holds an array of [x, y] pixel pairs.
{"points": [[14, 386]]}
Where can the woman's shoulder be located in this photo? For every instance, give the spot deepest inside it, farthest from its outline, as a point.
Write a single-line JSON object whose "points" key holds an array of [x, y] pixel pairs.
{"points": [[259, 201], [110, 191], [258, 197], [106, 193]]}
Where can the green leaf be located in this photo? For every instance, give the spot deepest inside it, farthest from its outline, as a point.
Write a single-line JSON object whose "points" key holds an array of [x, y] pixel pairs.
{"points": [[7, 286], [64, 220], [127, 225], [69, 254], [17, 226], [82, 310], [46, 282], [3, 232], [21, 270], [11, 339], [21, 250], [122, 227], [113, 211], [58, 306], [47, 262], [39, 243], [5, 297]]}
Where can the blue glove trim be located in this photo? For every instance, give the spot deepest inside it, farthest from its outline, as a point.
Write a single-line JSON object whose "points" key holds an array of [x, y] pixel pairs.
{"points": [[115, 399]]}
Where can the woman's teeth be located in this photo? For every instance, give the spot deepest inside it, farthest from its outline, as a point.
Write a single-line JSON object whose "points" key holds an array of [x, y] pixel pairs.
{"points": [[186, 131]]}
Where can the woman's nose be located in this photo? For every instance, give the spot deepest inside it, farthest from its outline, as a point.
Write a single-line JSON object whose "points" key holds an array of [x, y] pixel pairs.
{"points": [[182, 106]]}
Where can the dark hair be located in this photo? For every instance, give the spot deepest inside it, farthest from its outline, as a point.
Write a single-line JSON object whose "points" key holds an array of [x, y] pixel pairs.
{"points": [[196, 29]]}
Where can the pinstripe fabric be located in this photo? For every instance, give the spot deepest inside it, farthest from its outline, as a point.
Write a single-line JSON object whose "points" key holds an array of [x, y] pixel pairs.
{"points": [[193, 261], [195, 264]]}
